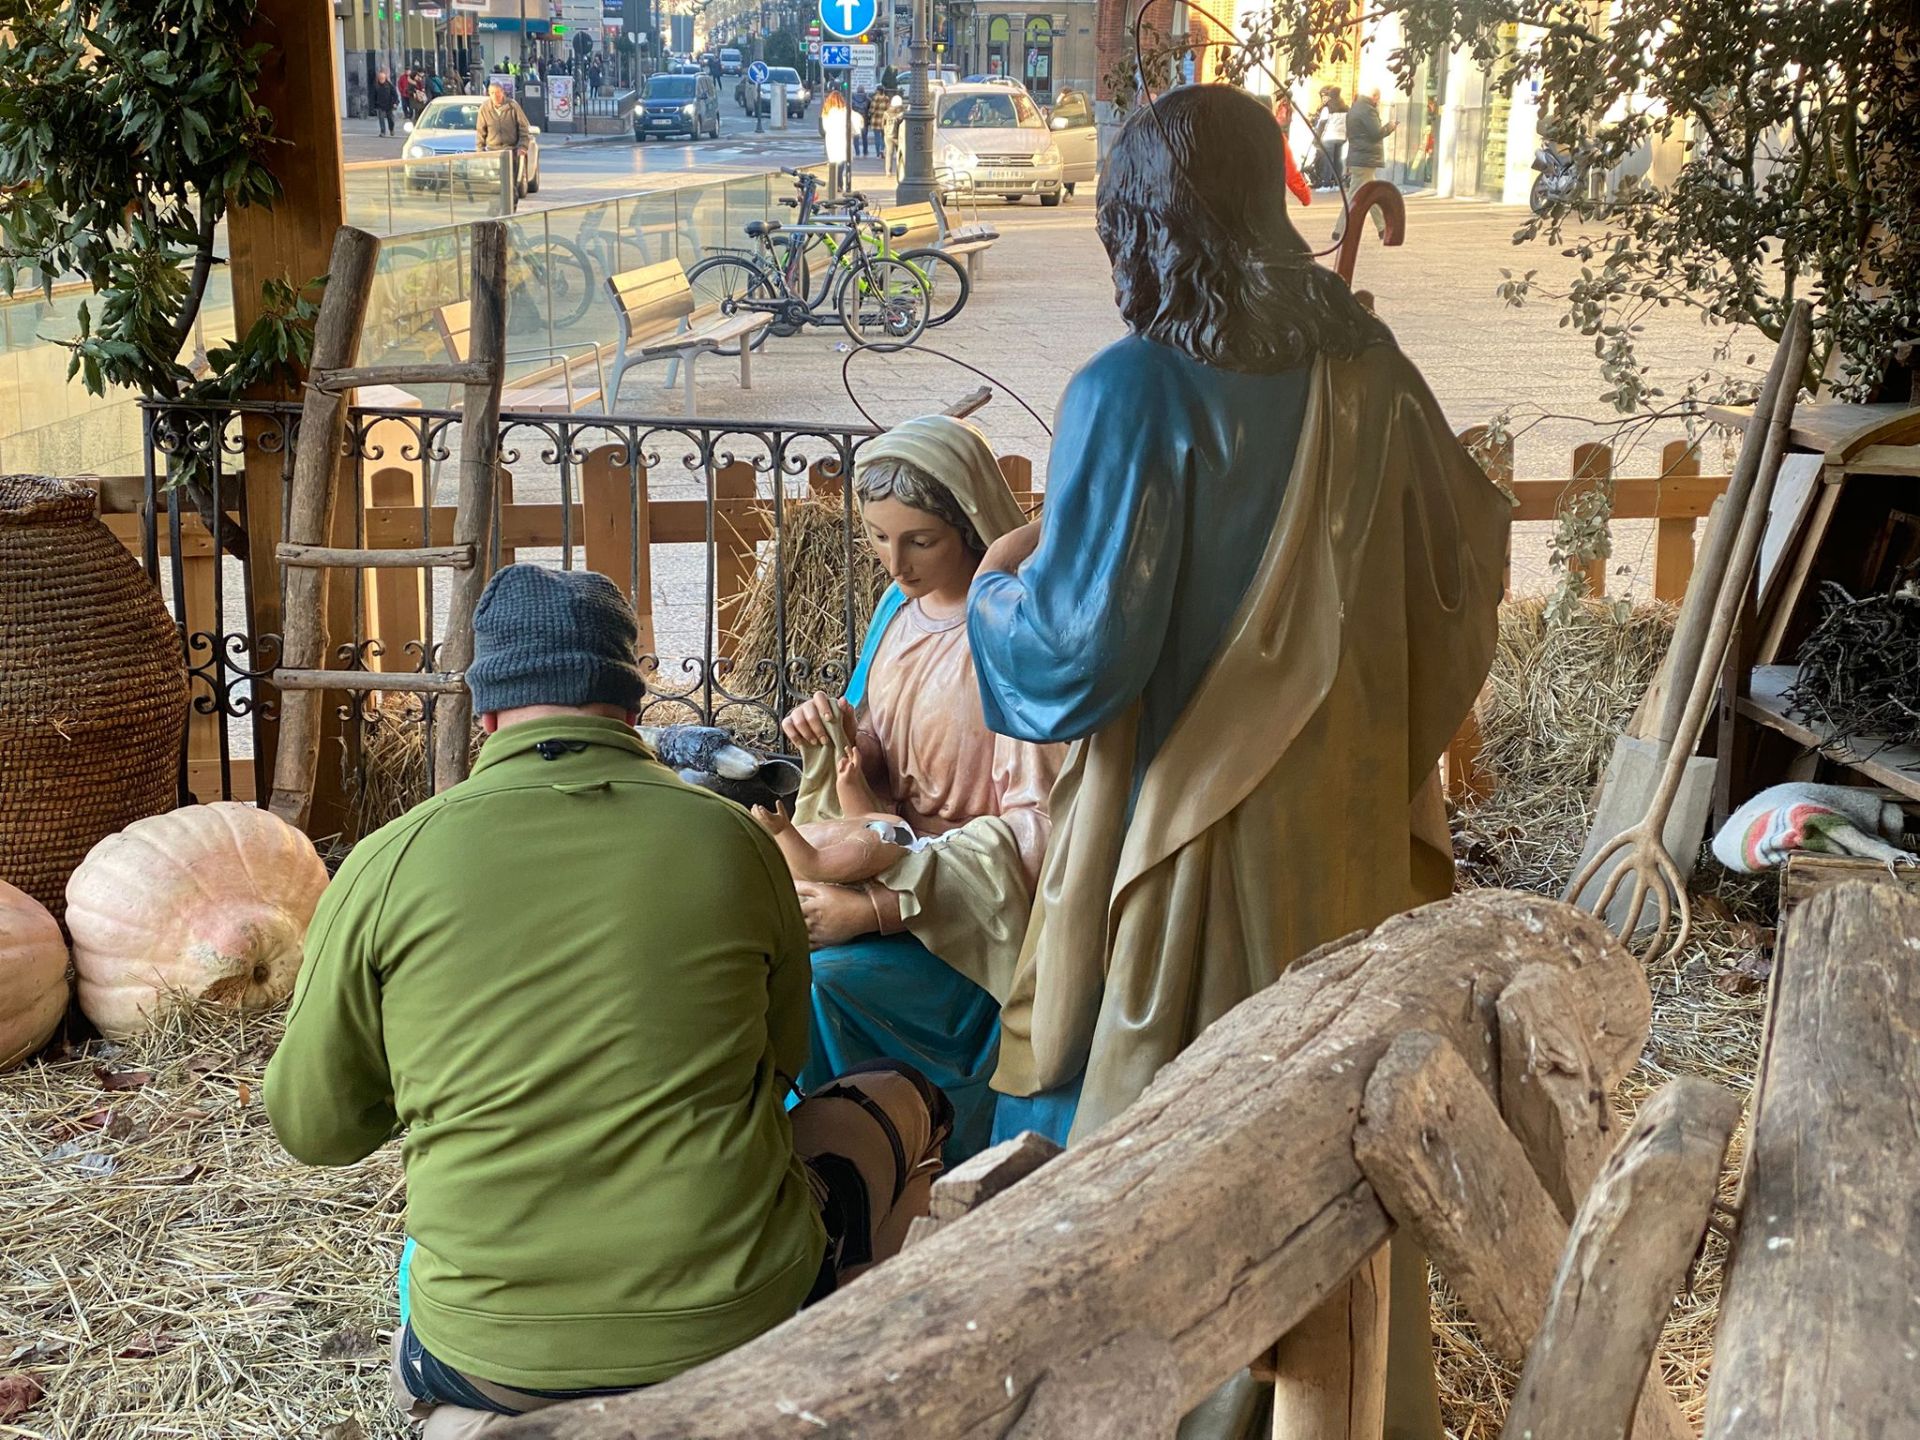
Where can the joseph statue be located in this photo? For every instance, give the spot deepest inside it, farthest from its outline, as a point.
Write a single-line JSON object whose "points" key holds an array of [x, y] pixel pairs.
{"points": [[1262, 600]]}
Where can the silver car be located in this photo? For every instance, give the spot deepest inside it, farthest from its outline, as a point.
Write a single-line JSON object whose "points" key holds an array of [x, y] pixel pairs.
{"points": [[446, 127], [993, 140]]}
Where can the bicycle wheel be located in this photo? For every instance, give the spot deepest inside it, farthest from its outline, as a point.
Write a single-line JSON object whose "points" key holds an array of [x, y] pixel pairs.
{"points": [[883, 302], [562, 280], [733, 286], [947, 284]]}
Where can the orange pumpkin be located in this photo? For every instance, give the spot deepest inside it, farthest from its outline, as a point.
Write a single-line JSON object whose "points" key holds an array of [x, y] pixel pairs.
{"points": [[33, 975], [210, 902]]}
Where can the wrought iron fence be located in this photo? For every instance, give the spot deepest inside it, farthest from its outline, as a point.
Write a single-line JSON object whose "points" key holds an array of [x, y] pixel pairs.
{"points": [[681, 513]]}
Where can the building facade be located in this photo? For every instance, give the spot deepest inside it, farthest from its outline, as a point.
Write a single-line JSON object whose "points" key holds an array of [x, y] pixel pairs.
{"points": [[1049, 48]]}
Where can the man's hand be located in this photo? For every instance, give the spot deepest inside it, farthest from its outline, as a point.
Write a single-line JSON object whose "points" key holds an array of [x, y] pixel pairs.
{"points": [[1011, 550], [834, 914]]}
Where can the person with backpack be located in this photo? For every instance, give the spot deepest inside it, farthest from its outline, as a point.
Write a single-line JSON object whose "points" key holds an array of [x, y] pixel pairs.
{"points": [[1330, 124]]}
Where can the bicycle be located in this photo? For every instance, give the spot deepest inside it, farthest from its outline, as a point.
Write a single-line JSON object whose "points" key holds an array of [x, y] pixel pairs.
{"points": [[876, 300], [948, 284]]}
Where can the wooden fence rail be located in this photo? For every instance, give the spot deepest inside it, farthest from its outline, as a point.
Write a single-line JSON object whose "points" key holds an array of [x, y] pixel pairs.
{"points": [[1172, 1248]]}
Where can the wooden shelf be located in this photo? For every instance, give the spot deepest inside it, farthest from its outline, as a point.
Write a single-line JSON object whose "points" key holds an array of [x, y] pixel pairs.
{"points": [[1895, 766], [1820, 425]]}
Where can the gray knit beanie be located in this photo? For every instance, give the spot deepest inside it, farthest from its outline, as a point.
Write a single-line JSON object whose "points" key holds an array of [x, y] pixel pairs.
{"points": [[553, 637]]}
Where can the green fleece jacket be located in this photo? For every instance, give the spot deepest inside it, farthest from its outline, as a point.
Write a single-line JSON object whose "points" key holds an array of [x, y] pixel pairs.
{"points": [[580, 985]]}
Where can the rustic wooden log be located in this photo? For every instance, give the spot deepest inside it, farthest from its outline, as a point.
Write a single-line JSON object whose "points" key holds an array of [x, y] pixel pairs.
{"points": [[1214, 1214], [317, 464], [450, 557], [1819, 1329], [1805, 875], [1452, 1175], [1128, 1389], [968, 1186], [437, 372], [431, 682], [1550, 1090], [1637, 1232], [479, 471]]}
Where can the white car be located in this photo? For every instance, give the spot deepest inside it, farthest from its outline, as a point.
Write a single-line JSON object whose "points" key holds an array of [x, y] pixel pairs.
{"points": [[993, 140], [447, 127], [1077, 136]]}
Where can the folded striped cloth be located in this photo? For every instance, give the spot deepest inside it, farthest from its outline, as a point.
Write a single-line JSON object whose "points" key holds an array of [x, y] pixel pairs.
{"points": [[1824, 819]]}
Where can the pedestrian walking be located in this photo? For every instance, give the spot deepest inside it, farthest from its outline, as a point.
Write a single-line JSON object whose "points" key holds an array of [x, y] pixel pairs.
{"points": [[1296, 182], [1366, 152], [896, 135], [862, 107], [383, 97], [502, 125], [1330, 124]]}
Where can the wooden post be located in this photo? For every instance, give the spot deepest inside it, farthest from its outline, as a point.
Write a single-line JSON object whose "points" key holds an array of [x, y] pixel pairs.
{"points": [[1633, 1240], [291, 240], [317, 467], [617, 546], [1450, 1173], [200, 574], [1330, 1370], [1673, 534], [1819, 1329], [1592, 468], [396, 599], [949, 1338], [473, 513]]}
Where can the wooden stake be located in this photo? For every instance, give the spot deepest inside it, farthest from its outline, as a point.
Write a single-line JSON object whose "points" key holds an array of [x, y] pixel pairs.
{"points": [[1330, 1370], [1633, 1240], [1551, 1093], [1450, 1173], [1819, 1325], [473, 515], [317, 466]]}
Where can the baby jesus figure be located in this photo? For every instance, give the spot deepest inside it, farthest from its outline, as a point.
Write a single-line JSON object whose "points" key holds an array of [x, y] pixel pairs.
{"points": [[850, 851]]}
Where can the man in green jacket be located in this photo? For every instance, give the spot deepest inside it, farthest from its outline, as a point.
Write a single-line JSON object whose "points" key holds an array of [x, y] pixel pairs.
{"points": [[580, 987]]}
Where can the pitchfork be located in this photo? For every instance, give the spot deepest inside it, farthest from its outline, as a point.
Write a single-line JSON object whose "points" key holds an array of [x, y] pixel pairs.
{"points": [[1646, 857]]}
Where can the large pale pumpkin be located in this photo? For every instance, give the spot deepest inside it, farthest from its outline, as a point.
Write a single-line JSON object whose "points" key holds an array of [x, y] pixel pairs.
{"points": [[33, 975], [210, 902]]}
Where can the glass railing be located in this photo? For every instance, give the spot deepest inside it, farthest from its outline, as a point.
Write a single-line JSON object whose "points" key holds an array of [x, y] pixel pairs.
{"points": [[395, 197], [558, 305]]}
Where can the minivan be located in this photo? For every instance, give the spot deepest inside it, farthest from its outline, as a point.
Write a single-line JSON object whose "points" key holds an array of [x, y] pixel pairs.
{"points": [[678, 105], [729, 61]]}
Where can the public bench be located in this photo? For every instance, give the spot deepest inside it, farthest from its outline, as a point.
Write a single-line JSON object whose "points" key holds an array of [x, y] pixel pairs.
{"points": [[659, 320], [538, 391], [927, 227]]}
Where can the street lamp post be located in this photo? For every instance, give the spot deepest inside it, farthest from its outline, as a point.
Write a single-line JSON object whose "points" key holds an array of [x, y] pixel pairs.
{"points": [[916, 185]]}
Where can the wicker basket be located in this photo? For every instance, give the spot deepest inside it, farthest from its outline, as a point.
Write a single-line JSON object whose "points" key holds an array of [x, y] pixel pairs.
{"points": [[93, 687]]}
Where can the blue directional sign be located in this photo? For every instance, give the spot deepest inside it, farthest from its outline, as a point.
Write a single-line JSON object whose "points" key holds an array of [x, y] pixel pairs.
{"points": [[848, 17], [757, 73], [836, 57]]}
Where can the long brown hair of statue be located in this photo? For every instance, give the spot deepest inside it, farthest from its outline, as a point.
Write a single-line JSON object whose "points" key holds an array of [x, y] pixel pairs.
{"points": [[1193, 214]]}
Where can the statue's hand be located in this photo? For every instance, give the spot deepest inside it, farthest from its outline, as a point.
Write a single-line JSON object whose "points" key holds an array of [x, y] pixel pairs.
{"points": [[810, 722], [834, 914], [1011, 550]]}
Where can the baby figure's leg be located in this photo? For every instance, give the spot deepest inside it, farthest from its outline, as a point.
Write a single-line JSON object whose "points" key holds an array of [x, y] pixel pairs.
{"points": [[850, 785]]}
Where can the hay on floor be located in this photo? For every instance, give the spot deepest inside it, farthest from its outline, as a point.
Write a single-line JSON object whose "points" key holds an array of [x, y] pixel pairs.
{"points": [[166, 1269]]}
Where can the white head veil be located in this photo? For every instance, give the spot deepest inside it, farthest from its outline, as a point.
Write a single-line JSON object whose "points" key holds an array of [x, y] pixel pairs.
{"points": [[959, 457]]}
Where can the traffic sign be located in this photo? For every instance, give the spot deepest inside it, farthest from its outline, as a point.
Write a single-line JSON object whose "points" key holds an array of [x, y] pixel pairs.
{"points": [[757, 73], [866, 55], [848, 17], [836, 57]]}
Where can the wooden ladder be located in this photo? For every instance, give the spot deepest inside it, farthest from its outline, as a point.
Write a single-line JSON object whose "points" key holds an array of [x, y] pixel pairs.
{"points": [[318, 464]]}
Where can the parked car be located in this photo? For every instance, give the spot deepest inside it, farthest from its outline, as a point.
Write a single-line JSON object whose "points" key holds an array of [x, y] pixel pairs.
{"points": [[758, 99], [446, 127], [730, 61], [1076, 136], [993, 140], [1006, 80], [678, 105]]}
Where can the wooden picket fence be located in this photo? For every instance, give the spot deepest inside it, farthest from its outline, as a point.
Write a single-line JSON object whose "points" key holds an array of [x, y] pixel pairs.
{"points": [[608, 536]]}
